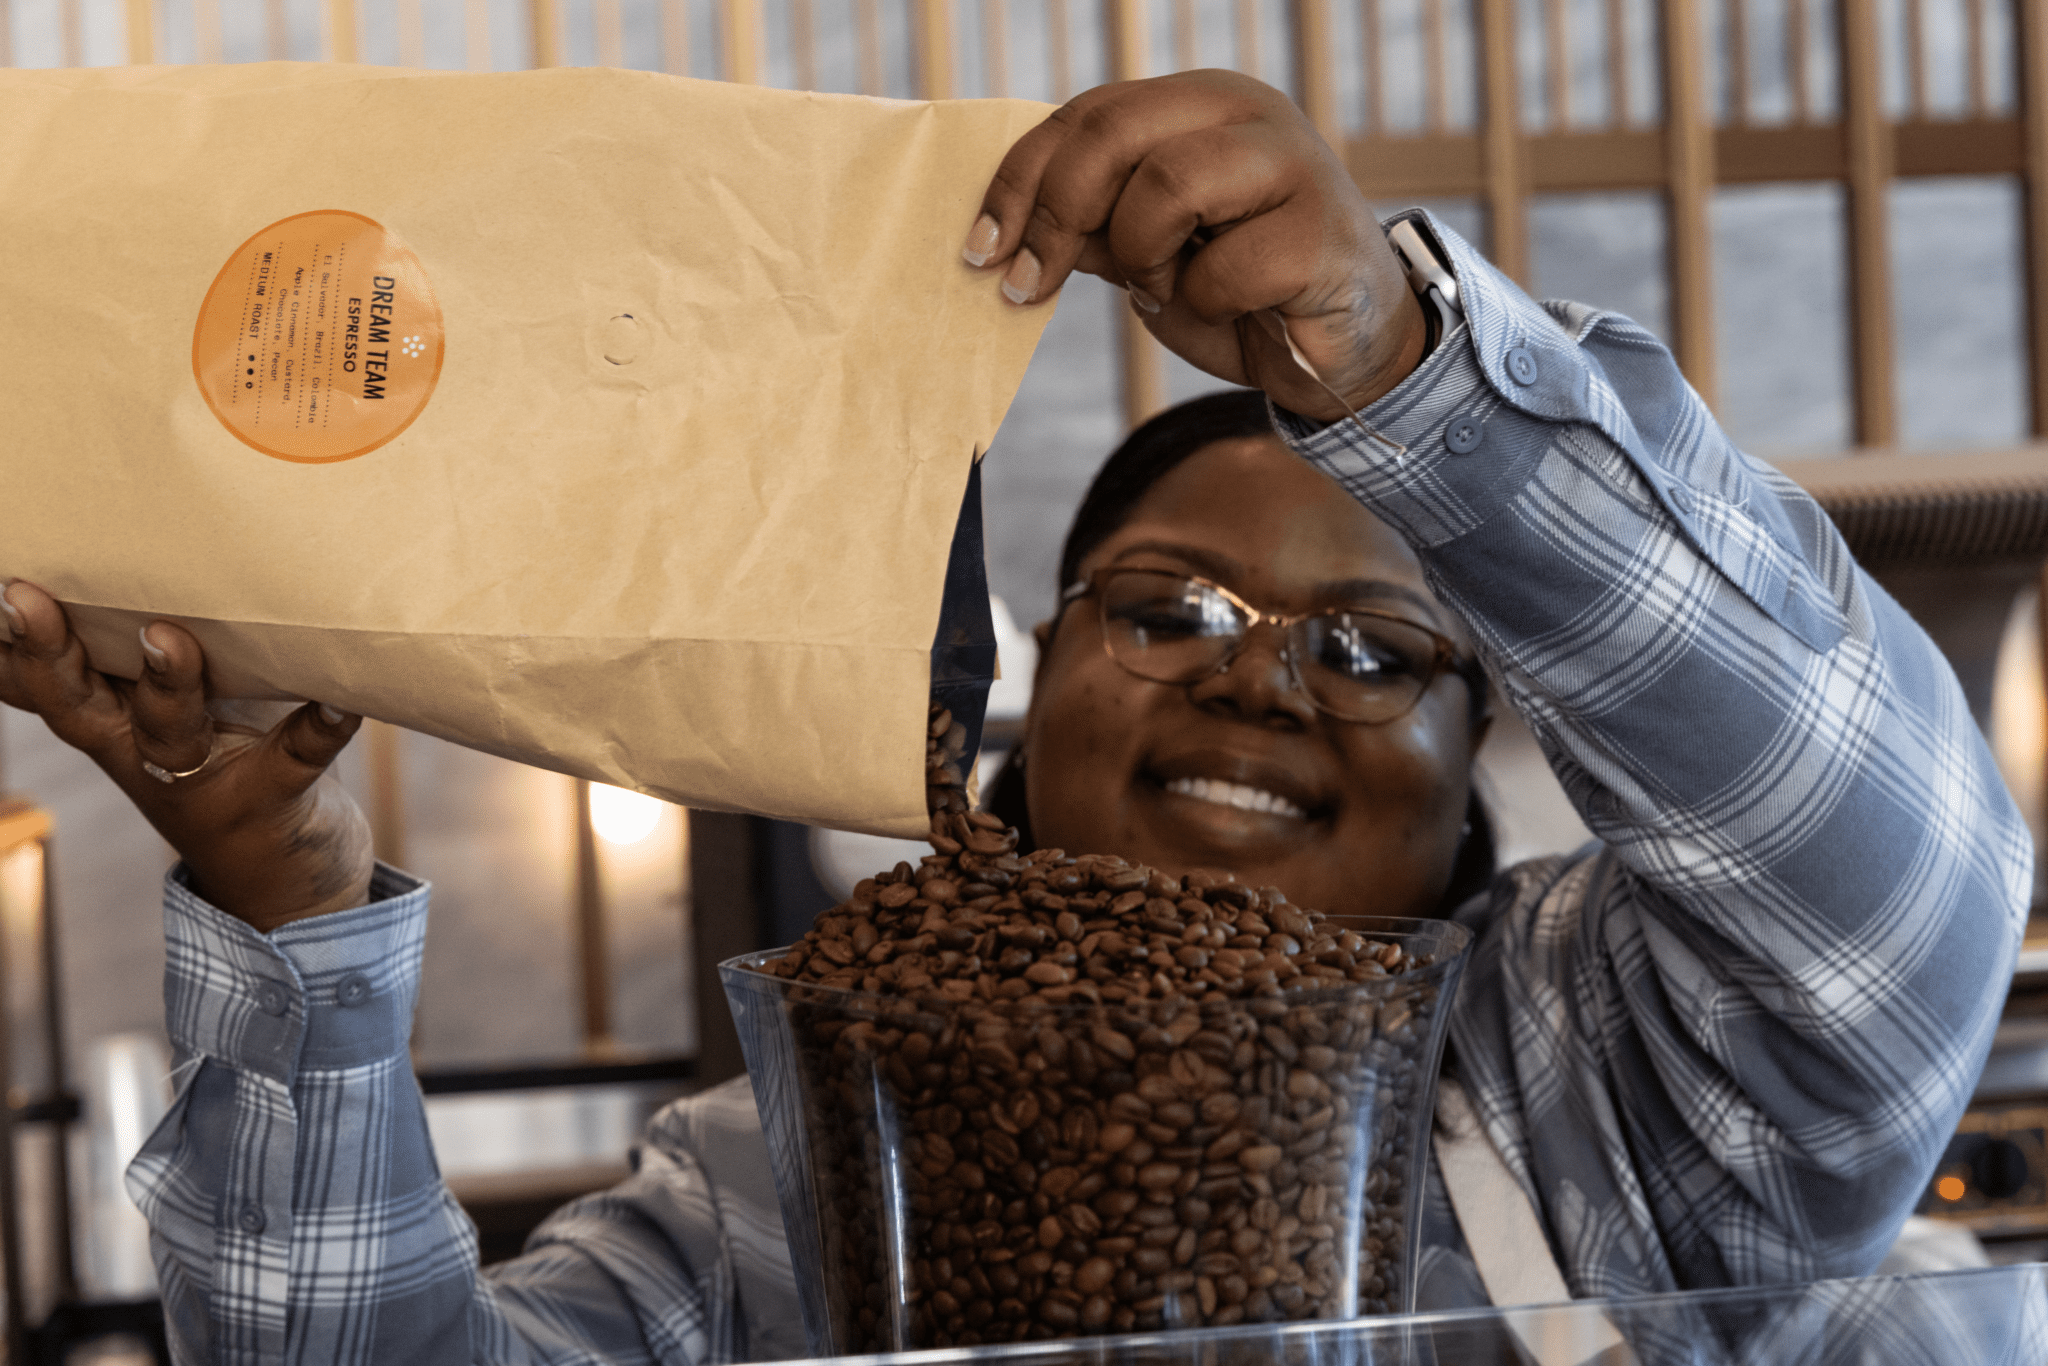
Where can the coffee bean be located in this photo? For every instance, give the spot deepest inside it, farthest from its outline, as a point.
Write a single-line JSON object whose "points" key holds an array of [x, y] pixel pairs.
{"points": [[1130, 1107], [1055, 1183], [1115, 1205], [1220, 1108], [1111, 1042], [1262, 1158], [1154, 1176], [1116, 1137], [1082, 1219], [1158, 1089], [1094, 1275]]}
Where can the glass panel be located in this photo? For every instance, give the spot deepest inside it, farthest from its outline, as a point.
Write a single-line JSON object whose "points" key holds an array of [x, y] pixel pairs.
{"points": [[1607, 250], [1781, 317], [1959, 320]]}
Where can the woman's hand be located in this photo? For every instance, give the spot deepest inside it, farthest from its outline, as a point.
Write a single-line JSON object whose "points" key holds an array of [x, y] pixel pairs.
{"points": [[268, 836], [1211, 198]]}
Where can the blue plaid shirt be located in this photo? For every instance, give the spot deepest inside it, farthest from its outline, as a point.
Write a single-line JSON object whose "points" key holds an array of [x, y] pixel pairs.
{"points": [[1724, 1045]]}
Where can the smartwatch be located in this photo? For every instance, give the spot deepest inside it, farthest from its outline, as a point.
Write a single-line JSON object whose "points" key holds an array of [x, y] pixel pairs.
{"points": [[1429, 275]]}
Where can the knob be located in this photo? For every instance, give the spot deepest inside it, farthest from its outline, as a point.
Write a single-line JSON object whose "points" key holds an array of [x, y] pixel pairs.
{"points": [[1999, 1169]]}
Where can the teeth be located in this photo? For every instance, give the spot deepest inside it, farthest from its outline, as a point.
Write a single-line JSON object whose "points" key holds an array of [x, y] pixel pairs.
{"points": [[1237, 795]]}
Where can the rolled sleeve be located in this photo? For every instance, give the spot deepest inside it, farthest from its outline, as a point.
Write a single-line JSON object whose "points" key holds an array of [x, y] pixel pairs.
{"points": [[294, 1205], [297, 1213], [1780, 970], [333, 991]]}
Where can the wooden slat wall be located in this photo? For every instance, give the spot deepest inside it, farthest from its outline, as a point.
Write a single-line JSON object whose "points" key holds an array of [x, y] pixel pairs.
{"points": [[1143, 375], [545, 21], [1497, 160], [2033, 38], [1500, 161], [1689, 169], [342, 28], [141, 20], [739, 31], [1315, 77], [1869, 143], [1504, 149]]}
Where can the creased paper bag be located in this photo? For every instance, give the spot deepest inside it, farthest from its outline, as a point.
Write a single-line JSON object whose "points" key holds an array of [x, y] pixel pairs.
{"points": [[603, 420]]}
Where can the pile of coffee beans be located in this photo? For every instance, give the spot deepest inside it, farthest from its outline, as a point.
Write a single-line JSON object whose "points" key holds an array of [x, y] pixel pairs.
{"points": [[1098, 1098]]}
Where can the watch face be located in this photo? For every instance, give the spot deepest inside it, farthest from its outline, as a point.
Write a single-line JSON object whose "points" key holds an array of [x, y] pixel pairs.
{"points": [[1428, 271]]}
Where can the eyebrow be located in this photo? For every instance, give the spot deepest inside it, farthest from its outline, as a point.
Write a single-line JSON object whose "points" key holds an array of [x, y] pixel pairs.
{"points": [[1213, 563], [1223, 568]]}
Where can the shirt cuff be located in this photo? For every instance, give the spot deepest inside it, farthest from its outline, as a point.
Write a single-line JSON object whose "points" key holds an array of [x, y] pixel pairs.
{"points": [[1459, 438], [330, 991]]}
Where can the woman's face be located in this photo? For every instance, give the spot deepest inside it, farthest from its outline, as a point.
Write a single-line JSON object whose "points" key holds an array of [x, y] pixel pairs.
{"points": [[1376, 810]]}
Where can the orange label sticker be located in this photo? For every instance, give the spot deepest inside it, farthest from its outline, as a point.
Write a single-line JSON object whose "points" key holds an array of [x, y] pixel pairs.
{"points": [[320, 340]]}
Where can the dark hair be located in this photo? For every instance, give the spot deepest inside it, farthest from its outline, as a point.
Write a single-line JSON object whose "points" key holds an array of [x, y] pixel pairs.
{"points": [[1151, 452]]}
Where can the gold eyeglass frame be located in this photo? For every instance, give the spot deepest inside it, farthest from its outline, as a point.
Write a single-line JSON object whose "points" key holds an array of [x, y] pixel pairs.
{"points": [[1449, 659]]}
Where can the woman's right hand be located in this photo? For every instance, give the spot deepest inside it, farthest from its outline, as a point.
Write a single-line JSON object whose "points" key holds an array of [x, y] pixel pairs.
{"points": [[267, 834], [1246, 245]]}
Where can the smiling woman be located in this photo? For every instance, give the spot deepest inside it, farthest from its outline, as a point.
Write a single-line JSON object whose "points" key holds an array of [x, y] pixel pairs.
{"points": [[1249, 671]]}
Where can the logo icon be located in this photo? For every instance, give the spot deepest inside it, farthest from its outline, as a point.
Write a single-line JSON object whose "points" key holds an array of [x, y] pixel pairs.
{"points": [[414, 347]]}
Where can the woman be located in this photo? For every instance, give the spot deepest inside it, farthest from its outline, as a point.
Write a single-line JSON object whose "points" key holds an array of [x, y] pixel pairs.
{"points": [[1722, 1046], [1331, 758]]}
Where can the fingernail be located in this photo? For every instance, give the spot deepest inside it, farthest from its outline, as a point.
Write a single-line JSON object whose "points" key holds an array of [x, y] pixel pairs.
{"points": [[1142, 299], [981, 241], [330, 715], [153, 655], [15, 625], [1020, 282]]}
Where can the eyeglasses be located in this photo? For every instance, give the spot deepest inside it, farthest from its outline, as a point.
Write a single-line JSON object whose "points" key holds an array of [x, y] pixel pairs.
{"points": [[1354, 664]]}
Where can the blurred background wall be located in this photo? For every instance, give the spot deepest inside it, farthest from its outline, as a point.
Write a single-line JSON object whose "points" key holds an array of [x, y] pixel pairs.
{"points": [[497, 839]]}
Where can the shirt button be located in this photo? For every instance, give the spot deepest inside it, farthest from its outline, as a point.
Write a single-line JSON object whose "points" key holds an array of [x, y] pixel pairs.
{"points": [[250, 1218], [352, 990], [272, 999], [1522, 366], [1681, 498], [1464, 435]]}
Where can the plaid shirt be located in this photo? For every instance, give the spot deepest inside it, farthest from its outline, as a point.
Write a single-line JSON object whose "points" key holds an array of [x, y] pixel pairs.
{"points": [[1725, 1045]]}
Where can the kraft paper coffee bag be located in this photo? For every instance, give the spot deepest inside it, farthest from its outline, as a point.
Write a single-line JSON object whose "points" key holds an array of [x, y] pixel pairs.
{"points": [[607, 421]]}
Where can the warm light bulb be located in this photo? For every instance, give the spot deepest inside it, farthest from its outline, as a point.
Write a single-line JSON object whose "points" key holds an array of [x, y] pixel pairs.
{"points": [[1950, 1188], [622, 817]]}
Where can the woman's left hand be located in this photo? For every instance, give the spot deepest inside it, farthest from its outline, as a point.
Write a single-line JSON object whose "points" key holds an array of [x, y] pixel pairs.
{"points": [[1214, 201]]}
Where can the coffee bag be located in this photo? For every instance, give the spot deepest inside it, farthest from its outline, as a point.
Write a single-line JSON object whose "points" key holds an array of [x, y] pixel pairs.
{"points": [[607, 421]]}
